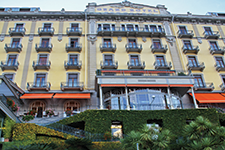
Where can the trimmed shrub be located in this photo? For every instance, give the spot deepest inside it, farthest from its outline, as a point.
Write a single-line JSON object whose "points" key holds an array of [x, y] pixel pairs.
{"points": [[8, 130]]}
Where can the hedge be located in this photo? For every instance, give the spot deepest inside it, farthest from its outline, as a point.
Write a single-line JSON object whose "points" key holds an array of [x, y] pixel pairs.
{"points": [[99, 121]]}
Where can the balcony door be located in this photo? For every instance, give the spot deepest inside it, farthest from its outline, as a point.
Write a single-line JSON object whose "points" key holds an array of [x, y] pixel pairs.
{"points": [[130, 28], [11, 60], [160, 61], [134, 60], [73, 59], [73, 42], [219, 62], [15, 42], [45, 43], [213, 45], [108, 60], [157, 44], [153, 28], [74, 27], [40, 80], [19, 27], [183, 29], [47, 27], [106, 27], [192, 61], [107, 43], [208, 31], [72, 80], [198, 81], [43, 59], [132, 43], [187, 44]]}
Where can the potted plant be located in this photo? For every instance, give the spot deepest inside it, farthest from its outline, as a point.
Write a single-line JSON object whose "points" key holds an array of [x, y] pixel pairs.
{"points": [[31, 112], [27, 118], [49, 112], [68, 112], [15, 108]]}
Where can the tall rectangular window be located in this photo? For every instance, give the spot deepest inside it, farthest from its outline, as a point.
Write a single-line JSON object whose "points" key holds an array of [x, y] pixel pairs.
{"points": [[134, 60], [153, 28], [157, 44], [15, 42], [130, 28], [208, 31], [73, 42], [11, 60], [160, 61], [108, 60], [74, 26], [106, 27], [187, 44], [40, 80], [198, 81], [223, 78], [72, 80], [45, 42], [192, 61], [132, 43], [213, 45], [47, 27], [182, 29], [42, 59], [219, 62], [19, 27], [73, 59], [107, 43]]}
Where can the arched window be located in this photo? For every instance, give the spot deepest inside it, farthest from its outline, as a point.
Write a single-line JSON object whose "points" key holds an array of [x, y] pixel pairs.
{"points": [[72, 105], [35, 105]]}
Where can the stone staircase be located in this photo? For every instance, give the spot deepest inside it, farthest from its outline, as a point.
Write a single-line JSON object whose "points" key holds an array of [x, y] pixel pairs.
{"points": [[45, 121]]}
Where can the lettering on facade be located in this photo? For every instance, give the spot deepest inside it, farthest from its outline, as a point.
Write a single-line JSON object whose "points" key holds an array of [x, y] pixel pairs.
{"points": [[127, 10], [146, 80]]}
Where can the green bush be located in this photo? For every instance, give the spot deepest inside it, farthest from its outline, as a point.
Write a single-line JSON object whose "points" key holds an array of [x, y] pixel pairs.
{"points": [[8, 127], [78, 144], [27, 118]]}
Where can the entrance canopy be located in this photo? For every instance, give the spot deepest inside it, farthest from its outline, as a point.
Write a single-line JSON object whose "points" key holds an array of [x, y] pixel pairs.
{"points": [[37, 95], [210, 97]]}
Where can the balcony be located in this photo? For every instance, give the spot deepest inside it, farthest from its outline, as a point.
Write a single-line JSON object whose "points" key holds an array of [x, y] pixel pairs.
{"points": [[72, 86], [185, 34], [72, 65], [74, 31], [136, 65], [122, 31], [41, 65], [13, 47], [220, 67], [46, 31], [196, 67], [190, 49], [38, 86], [73, 47], [222, 87], [159, 49], [162, 65], [108, 48], [211, 34], [9, 65], [216, 50], [204, 87], [109, 65], [17, 31], [43, 47], [133, 48]]}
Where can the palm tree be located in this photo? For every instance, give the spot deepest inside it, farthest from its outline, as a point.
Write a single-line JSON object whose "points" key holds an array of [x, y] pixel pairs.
{"points": [[130, 141]]}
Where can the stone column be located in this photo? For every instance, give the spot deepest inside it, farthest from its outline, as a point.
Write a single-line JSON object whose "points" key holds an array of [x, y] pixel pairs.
{"points": [[169, 95], [4, 30], [127, 100], [100, 95]]}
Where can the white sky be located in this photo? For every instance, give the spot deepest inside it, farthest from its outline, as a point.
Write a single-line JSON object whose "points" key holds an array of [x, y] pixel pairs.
{"points": [[174, 6]]}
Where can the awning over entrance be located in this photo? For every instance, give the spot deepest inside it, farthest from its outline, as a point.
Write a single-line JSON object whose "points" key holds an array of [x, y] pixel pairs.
{"points": [[210, 97], [73, 95], [36, 96]]}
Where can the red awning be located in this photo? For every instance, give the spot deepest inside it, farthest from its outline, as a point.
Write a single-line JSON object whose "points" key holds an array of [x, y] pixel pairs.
{"points": [[209, 97], [36, 95], [73, 95]]}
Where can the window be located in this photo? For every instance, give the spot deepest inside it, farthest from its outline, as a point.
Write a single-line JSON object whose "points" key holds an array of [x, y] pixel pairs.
{"points": [[47, 27], [106, 27], [117, 129], [153, 28], [9, 76], [40, 80], [73, 59], [132, 43], [11, 60], [99, 27], [146, 28], [45, 42], [42, 59], [192, 61], [157, 44], [213, 45], [72, 105], [108, 60], [74, 26], [208, 31], [15, 42], [123, 27], [198, 81], [130, 28], [160, 61], [219, 62], [183, 29], [107, 43], [74, 42], [19, 27], [134, 60], [223, 78], [72, 80], [187, 44]]}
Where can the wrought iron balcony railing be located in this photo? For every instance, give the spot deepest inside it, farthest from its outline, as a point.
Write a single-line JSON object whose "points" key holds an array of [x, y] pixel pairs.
{"points": [[72, 85], [18, 31], [46, 31], [185, 33], [73, 31], [13, 47], [136, 65], [190, 49], [133, 48], [107, 47], [162, 65], [109, 64], [9, 65], [216, 50], [196, 66], [222, 87], [43, 47], [220, 67], [45, 65], [204, 87], [75, 47], [38, 86], [159, 48], [211, 34], [72, 64]]}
